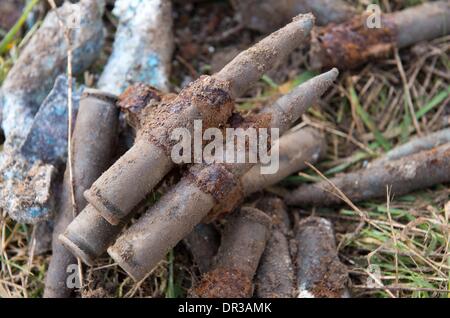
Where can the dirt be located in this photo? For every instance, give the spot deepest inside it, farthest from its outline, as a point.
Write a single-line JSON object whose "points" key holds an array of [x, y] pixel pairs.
{"points": [[10, 12], [223, 283], [135, 98], [217, 44], [207, 99], [223, 57]]}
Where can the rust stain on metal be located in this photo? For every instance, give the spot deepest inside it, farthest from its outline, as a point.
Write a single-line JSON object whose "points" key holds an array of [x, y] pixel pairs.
{"points": [[349, 44], [214, 179], [319, 270], [223, 283], [207, 98], [135, 99]]}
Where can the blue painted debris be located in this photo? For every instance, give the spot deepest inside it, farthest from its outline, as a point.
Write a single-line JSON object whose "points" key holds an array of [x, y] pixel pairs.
{"points": [[28, 171], [47, 138], [43, 59], [35, 147], [36, 144], [142, 48]]}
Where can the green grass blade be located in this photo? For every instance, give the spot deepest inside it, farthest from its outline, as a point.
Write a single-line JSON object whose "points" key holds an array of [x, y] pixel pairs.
{"points": [[367, 120], [303, 77], [435, 101], [266, 79], [170, 291], [11, 34]]}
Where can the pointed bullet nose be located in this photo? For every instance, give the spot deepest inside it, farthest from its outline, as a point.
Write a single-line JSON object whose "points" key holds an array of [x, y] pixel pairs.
{"points": [[335, 71], [331, 75], [306, 21]]}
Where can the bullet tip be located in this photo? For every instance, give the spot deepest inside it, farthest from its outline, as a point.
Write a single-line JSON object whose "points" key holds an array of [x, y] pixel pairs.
{"points": [[307, 20], [335, 72]]}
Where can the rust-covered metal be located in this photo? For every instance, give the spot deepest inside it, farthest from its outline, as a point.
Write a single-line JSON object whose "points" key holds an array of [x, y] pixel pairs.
{"points": [[275, 277], [352, 43], [295, 149], [174, 216], [92, 235], [320, 274], [417, 171], [243, 242], [94, 139], [210, 98], [203, 243], [135, 99]]}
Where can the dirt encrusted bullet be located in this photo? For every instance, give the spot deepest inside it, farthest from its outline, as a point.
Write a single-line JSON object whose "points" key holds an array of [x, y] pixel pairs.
{"points": [[91, 234], [320, 274], [275, 276], [417, 171], [93, 141], [210, 98], [243, 242], [44, 58], [295, 148], [415, 145], [204, 187], [268, 15], [143, 46], [356, 41], [203, 243]]}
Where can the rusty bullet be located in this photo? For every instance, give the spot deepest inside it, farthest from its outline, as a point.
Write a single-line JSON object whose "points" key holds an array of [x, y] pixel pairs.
{"points": [[417, 171], [210, 98], [275, 275], [352, 43], [203, 243], [415, 145], [243, 242], [94, 139], [146, 242], [320, 274]]}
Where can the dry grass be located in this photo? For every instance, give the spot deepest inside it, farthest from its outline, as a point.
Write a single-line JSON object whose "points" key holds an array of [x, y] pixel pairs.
{"points": [[397, 247]]}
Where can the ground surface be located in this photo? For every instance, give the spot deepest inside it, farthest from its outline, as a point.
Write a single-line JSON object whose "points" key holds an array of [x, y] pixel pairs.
{"points": [[396, 247]]}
